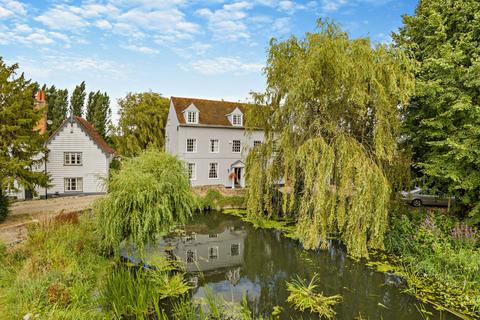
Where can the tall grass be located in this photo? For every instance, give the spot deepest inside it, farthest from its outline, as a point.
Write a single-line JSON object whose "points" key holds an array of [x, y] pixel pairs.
{"points": [[55, 274], [303, 297], [145, 197]]}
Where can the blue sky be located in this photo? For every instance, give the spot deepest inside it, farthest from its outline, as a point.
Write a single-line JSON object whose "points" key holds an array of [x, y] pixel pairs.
{"points": [[204, 48]]}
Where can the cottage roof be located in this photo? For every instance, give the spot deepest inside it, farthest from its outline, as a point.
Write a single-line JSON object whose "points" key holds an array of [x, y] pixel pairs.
{"points": [[211, 112], [88, 128]]}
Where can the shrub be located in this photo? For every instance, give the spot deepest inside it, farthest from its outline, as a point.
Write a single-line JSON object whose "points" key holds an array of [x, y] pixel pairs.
{"points": [[149, 194], [3, 206]]}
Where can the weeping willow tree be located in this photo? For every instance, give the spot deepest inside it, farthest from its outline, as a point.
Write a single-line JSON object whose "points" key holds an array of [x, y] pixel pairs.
{"points": [[330, 114], [149, 194]]}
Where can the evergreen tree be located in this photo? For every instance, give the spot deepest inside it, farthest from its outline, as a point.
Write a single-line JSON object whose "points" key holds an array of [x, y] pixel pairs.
{"points": [[443, 119], [99, 112], [77, 100], [142, 123], [57, 100], [19, 143]]}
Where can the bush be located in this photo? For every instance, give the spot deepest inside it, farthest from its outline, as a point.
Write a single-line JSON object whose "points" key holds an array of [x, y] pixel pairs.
{"points": [[3, 206], [149, 194]]}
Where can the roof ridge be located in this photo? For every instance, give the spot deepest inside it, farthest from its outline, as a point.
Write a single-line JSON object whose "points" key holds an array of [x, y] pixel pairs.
{"points": [[203, 99]]}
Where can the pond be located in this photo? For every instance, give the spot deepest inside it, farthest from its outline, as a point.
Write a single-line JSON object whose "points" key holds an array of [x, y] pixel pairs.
{"points": [[233, 258]]}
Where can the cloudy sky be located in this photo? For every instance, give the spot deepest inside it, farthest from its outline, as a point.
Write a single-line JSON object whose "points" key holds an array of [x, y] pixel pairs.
{"points": [[196, 48]]}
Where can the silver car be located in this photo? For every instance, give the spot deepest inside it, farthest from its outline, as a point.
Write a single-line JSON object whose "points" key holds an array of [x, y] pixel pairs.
{"points": [[418, 197]]}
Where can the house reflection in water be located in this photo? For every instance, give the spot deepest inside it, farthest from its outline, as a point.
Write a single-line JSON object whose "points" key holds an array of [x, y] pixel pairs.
{"points": [[203, 252]]}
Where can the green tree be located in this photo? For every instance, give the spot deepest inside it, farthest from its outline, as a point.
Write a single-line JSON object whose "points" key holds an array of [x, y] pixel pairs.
{"points": [[142, 123], [77, 100], [442, 122], [57, 100], [331, 119], [19, 143], [99, 112]]}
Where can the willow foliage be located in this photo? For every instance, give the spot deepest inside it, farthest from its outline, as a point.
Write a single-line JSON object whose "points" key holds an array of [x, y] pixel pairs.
{"points": [[145, 197], [331, 118]]}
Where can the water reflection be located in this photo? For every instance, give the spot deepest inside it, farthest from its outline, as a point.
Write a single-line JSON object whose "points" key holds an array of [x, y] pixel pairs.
{"points": [[234, 259]]}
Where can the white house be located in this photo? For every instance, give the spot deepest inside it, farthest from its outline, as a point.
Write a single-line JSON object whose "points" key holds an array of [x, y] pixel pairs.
{"points": [[78, 161], [210, 137]]}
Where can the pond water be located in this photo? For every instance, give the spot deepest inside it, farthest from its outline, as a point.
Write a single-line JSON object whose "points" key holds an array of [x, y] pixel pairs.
{"points": [[233, 258]]}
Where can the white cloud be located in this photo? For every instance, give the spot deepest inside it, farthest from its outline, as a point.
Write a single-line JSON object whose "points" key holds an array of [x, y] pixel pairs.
{"points": [[4, 13], [228, 23], [10, 8], [62, 17], [103, 24], [281, 26], [221, 65], [141, 49]]}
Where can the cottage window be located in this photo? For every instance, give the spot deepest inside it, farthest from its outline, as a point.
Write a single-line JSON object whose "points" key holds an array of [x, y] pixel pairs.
{"points": [[256, 143], [192, 171], [213, 253], [235, 249], [214, 146], [213, 172], [237, 120], [192, 117], [236, 146], [191, 145], [191, 256], [72, 158], [73, 184]]}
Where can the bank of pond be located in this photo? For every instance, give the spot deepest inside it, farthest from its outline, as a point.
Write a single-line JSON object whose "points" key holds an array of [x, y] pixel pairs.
{"points": [[214, 267]]}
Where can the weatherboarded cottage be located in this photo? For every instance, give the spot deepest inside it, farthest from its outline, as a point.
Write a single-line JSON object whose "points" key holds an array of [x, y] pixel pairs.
{"points": [[210, 137], [78, 161]]}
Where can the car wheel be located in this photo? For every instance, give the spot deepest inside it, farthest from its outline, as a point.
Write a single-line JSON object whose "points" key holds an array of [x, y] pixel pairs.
{"points": [[417, 203]]}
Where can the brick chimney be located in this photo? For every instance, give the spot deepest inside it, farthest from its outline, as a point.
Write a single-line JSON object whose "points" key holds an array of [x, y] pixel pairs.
{"points": [[41, 103]]}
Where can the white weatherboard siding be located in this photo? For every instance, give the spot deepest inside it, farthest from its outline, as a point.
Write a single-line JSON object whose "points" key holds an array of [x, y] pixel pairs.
{"points": [[203, 157], [95, 163], [171, 133]]}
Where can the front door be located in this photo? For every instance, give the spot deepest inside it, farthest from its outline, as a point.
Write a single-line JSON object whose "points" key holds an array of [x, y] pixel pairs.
{"points": [[238, 176]]}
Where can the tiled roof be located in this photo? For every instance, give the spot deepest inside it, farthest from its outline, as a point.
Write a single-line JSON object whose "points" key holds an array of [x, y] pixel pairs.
{"points": [[211, 112], [90, 130], [96, 137]]}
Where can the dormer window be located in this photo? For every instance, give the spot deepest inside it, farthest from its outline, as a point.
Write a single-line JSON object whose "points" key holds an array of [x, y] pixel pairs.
{"points": [[192, 117], [237, 120]]}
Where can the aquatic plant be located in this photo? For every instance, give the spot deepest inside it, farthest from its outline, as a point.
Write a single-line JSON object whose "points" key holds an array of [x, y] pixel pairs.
{"points": [[330, 114], [303, 297], [145, 197]]}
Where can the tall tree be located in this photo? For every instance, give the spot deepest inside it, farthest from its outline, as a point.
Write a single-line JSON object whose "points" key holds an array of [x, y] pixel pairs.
{"points": [[142, 123], [330, 114], [99, 112], [19, 142], [57, 100], [77, 100], [443, 118]]}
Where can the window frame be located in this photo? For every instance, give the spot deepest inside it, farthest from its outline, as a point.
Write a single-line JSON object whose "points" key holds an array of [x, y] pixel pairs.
{"points": [[216, 170], [239, 147], [210, 146], [194, 146], [68, 189], [72, 155], [239, 118], [238, 248], [211, 257], [194, 252], [195, 117], [193, 174], [256, 143]]}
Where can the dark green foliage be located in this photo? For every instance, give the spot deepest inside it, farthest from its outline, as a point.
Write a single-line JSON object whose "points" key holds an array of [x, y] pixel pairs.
{"points": [[148, 195], [57, 100], [213, 199], [442, 122], [142, 123], [19, 142], [77, 99], [3, 206], [98, 112]]}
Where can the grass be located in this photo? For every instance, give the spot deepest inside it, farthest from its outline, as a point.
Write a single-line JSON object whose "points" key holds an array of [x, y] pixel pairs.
{"points": [[303, 297], [55, 274], [213, 199]]}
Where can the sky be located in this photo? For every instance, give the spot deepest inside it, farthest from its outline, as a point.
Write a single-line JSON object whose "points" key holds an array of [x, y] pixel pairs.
{"points": [[205, 49]]}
